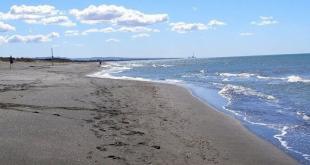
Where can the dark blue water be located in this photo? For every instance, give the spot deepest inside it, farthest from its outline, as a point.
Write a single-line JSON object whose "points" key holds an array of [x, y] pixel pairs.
{"points": [[270, 95]]}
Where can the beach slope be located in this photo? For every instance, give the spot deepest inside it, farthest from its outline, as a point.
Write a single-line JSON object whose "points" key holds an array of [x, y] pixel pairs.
{"points": [[58, 115]]}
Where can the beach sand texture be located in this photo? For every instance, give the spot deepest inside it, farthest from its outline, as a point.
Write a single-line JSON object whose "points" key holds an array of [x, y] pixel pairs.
{"points": [[58, 115]]}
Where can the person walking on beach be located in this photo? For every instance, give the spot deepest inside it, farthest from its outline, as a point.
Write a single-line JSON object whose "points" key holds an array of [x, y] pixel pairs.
{"points": [[100, 62], [11, 62]]}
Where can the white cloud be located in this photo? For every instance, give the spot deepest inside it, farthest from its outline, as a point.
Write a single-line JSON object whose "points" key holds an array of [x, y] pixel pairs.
{"points": [[112, 40], [263, 21], [72, 33], [141, 35], [214, 22], [117, 15], [182, 27], [2, 40], [246, 34], [59, 20], [103, 30], [33, 10], [6, 27], [41, 14], [137, 29], [122, 29], [29, 38]]}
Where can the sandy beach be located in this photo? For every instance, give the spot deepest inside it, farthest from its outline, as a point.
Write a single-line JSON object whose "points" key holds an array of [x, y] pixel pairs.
{"points": [[58, 115]]}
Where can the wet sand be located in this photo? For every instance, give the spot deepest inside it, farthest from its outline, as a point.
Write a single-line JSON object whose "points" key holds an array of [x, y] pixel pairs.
{"points": [[57, 115]]}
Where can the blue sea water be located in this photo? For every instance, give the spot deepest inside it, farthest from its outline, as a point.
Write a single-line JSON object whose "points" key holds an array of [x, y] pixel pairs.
{"points": [[270, 95]]}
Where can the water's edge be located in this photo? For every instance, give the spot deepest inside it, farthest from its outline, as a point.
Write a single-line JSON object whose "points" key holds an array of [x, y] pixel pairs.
{"points": [[189, 88]]}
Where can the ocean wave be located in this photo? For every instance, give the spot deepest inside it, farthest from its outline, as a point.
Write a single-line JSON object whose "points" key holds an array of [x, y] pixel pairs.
{"points": [[173, 81], [246, 75], [283, 132], [232, 111], [303, 115], [201, 75], [290, 79], [161, 65], [280, 137], [295, 78], [202, 71], [135, 65], [228, 90], [245, 118], [104, 74], [113, 68]]}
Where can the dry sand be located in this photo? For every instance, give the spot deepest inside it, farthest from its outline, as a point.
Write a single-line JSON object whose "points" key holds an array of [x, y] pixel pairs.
{"points": [[57, 115]]}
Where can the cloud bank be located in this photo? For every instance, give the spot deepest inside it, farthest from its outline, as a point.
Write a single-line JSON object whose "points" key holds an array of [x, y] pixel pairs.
{"points": [[6, 27], [141, 35], [182, 27], [29, 38], [40, 14], [112, 40], [263, 21], [116, 15]]}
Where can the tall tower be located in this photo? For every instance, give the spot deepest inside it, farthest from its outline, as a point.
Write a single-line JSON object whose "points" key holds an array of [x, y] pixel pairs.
{"points": [[52, 59]]}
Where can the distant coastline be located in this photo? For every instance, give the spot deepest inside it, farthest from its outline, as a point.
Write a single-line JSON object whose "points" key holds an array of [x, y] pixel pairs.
{"points": [[115, 59], [92, 59]]}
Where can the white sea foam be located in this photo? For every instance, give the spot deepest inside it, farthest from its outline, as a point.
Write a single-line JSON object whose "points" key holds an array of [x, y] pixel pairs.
{"points": [[232, 111], [280, 137], [201, 75], [295, 78], [245, 118], [112, 68], [136, 65], [116, 68], [228, 90], [173, 81], [265, 77], [103, 74], [244, 75], [283, 132], [161, 65], [165, 66], [290, 79], [303, 115]]}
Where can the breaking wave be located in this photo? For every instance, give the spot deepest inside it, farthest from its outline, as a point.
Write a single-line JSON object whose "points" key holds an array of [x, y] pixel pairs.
{"points": [[303, 115], [229, 90], [290, 79], [110, 69]]}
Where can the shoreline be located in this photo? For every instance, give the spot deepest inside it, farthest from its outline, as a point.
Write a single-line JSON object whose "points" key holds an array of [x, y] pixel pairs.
{"points": [[64, 117], [274, 140], [186, 87]]}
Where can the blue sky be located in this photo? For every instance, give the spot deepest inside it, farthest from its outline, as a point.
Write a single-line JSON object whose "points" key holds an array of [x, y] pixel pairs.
{"points": [[141, 28]]}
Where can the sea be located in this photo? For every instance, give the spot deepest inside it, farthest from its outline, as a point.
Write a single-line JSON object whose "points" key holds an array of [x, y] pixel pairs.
{"points": [[269, 95]]}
